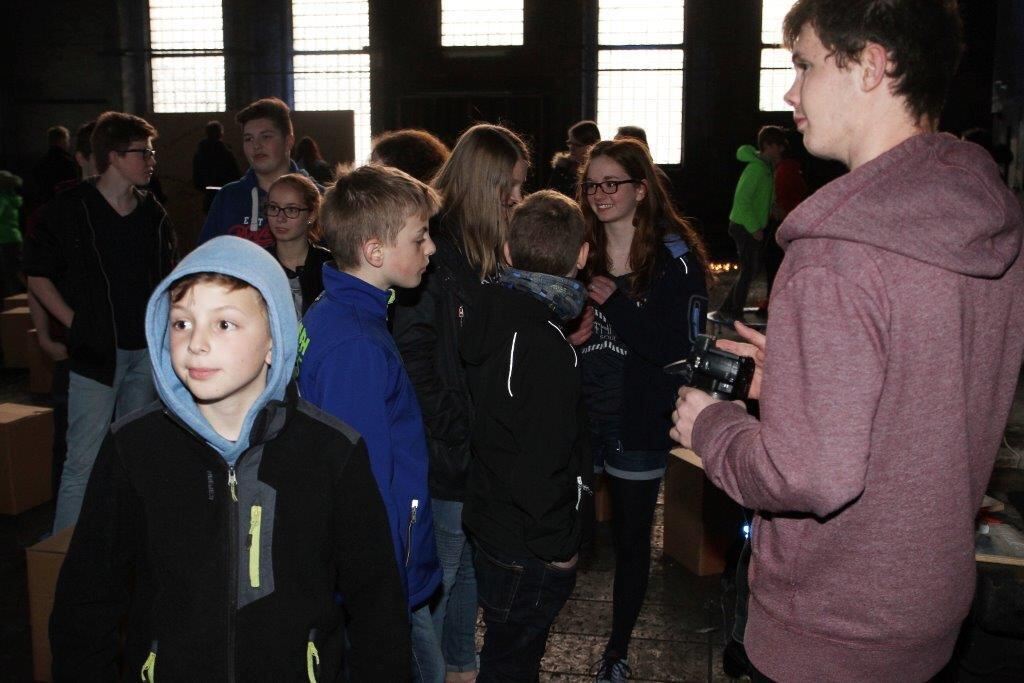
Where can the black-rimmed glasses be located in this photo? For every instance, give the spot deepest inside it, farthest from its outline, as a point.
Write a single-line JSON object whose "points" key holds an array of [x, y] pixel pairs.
{"points": [[147, 153], [607, 186], [273, 210]]}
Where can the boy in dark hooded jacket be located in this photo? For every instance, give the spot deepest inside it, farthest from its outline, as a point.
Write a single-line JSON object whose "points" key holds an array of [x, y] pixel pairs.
{"points": [[531, 465], [232, 508]]}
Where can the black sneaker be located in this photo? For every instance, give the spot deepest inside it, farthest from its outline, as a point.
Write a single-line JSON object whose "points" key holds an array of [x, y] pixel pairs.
{"points": [[613, 670], [734, 660]]}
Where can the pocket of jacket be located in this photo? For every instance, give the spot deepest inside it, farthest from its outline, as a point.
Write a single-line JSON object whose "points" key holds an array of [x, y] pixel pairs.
{"points": [[497, 584]]}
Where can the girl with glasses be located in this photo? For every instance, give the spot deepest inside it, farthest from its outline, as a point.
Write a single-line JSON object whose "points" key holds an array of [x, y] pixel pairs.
{"points": [[293, 207], [646, 275]]}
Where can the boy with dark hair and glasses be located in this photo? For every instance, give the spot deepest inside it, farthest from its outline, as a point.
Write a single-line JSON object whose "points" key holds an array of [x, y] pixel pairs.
{"points": [[92, 262]]}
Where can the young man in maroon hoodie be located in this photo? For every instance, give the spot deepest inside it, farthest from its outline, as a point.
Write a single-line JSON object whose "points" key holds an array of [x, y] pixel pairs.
{"points": [[892, 355]]}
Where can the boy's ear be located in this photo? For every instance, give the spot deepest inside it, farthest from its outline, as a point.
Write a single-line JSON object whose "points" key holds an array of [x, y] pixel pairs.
{"points": [[581, 260], [507, 252], [874, 65], [373, 252], [270, 354]]}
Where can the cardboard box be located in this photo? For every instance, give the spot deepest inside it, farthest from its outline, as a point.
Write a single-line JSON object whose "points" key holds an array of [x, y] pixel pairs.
{"points": [[14, 325], [701, 522], [40, 365], [44, 561], [15, 301], [26, 457]]}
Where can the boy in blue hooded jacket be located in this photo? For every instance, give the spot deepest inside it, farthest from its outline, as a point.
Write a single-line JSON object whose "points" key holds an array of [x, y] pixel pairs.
{"points": [[234, 509], [375, 223]]}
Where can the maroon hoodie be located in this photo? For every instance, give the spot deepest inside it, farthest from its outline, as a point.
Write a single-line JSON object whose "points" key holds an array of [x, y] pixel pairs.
{"points": [[893, 350]]}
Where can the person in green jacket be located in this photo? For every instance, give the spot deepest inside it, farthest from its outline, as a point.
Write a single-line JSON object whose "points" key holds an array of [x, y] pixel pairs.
{"points": [[10, 234], [748, 219]]}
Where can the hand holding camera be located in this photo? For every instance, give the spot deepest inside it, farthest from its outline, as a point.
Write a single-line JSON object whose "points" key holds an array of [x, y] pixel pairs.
{"points": [[714, 371]]}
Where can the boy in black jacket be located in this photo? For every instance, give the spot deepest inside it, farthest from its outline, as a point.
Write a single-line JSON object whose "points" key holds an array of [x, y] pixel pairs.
{"points": [[232, 508], [530, 468]]}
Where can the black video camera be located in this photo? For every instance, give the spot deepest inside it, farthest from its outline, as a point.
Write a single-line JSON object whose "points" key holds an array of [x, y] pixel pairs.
{"points": [[724, 375]]}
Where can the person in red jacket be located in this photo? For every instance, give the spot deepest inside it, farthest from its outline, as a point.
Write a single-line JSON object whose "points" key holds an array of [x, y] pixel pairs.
{"points": [[895, 343], [790, 190]]}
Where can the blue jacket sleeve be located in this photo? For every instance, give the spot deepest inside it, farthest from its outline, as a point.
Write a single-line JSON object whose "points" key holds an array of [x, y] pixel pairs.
{"points": [[351, 381]]}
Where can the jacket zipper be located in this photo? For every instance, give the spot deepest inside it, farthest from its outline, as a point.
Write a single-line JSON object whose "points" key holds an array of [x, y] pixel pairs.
{"points": [[462, 314], [232, 568], [581, 488], [103, 272], [408, 533], [253, 543]]}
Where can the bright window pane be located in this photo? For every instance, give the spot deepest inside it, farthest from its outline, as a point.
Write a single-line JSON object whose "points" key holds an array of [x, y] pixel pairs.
{"points": [[186, 25], [643, 88], [188, 84], [481, 22], [772, 14], [640, 22], [776, 77], [334, 82], [321, 25], [184, 82]]}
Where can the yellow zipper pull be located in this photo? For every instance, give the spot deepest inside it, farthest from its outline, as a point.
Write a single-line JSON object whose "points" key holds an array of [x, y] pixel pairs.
{"points": [[312, 661], [255, 517], [148, 674]]}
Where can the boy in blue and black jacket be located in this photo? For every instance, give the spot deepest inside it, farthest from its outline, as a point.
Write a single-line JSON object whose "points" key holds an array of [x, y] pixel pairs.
{"points": [[223, 519], [531, 469], [375, 222]]}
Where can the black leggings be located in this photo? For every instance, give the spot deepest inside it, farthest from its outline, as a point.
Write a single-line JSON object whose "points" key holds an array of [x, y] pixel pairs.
{"points": [[633, 505]]}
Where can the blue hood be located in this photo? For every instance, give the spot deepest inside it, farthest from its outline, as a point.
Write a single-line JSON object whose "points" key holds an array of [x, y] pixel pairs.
{"points": [[246, 261]]}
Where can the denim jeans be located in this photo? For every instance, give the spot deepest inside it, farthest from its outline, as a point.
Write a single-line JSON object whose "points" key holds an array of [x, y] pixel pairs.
{"points": [[455, 613], [91, 405], [520, 598], [427, 660]]}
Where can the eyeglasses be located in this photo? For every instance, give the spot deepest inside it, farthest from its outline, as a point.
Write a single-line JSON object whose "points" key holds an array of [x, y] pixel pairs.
{"points": [[147, 153], [273, 210], [607, 186]]}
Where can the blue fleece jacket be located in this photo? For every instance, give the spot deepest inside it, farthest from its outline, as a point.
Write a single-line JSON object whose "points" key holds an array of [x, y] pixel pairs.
{"points": [[350, 367], [245, 261], [237, 210]]}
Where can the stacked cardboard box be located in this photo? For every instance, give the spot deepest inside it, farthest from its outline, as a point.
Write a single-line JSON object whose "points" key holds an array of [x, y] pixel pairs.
{"points": [[44, 561], [701, 522], [26, 444], [15, 301], [40, 365], [14, 326]]}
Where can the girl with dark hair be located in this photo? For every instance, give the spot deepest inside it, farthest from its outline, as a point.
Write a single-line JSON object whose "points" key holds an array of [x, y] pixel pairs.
{"points": [[646, 275], [308, 157]]}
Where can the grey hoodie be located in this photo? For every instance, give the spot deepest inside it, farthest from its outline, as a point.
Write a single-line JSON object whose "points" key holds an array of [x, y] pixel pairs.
{"points": [[246, 261], [894, 342]]}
